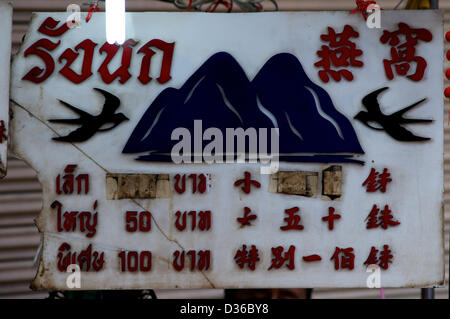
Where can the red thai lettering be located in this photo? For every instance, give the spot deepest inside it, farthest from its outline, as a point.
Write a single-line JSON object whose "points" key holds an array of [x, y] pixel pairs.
{"points": [[70, 221], [199, 183], [70, 56], [36, 74], [200, 220], [44, 47], [111, 51], [166, 66], [200, 260], [69, 178], [86, 259], [49, 27]]}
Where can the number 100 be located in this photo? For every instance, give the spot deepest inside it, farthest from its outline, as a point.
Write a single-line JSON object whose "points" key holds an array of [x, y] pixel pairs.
{"points": [[135, 261]]}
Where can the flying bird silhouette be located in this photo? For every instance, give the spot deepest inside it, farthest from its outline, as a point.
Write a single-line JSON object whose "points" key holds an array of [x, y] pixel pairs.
{"points": [[90, 124], [391, 124]]}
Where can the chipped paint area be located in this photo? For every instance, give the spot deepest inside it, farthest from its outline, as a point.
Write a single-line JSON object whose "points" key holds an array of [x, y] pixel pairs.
{"points": [[332, 182], [139, 186], [295, 183]]}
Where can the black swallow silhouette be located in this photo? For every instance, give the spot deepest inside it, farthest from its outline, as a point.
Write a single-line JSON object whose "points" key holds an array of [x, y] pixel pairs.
{"points": [[92, 124], [391, 124]]}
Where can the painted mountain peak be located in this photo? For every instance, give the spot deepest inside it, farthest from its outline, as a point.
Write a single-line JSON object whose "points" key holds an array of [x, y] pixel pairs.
{"points": [[220, 94]]}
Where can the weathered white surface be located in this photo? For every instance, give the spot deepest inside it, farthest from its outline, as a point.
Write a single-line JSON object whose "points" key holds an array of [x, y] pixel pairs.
{"points": [[415, 195], [5, 62]]}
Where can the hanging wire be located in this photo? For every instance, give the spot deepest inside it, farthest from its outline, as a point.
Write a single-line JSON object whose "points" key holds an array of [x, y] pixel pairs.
{"points": [[92, 3], [208, 5], [93, 7], [211, 5]]}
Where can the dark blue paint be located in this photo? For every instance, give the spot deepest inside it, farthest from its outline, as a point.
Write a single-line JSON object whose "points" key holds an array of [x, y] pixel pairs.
{"points": [[283, 88]]}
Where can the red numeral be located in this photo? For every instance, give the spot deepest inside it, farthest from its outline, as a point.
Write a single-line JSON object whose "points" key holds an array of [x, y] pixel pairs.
{"points": [[141, 222], [134, 261]]}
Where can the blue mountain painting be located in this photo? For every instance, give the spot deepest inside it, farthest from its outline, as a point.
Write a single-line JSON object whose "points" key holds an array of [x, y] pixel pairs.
{"points": [[220, 94]]}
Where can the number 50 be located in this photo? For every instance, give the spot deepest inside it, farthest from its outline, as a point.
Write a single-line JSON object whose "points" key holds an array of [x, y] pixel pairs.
{"points": [[135, 221]]}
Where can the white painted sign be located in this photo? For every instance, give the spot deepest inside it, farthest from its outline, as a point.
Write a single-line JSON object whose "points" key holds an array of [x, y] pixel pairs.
{"points": [[144, 150], [5, 62]]}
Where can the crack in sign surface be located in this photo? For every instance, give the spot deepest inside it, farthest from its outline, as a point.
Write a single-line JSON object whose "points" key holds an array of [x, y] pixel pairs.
{"points": [[173, 240]]}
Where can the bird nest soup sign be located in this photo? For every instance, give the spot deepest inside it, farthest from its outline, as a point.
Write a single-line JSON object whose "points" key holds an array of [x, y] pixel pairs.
{"points": [[299, 149]]}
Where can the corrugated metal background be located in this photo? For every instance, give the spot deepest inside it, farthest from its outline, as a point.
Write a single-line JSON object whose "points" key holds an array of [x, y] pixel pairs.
{"points": [[20, 192]]}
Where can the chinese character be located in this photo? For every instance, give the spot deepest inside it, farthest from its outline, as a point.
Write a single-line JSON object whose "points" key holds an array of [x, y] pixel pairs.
{"points": [[372, 219], [312, 258], [244, 256], [372, 259], [248, 182], [279, 259], [384, 259], [347, 258], [383, 219], [293, 220], [341, 52], [248, 217], [331, 217], [376, 181], [402, 54]]}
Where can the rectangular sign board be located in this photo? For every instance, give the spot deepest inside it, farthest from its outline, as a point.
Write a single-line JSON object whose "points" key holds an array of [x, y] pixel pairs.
{"points": [[299, 149]]}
